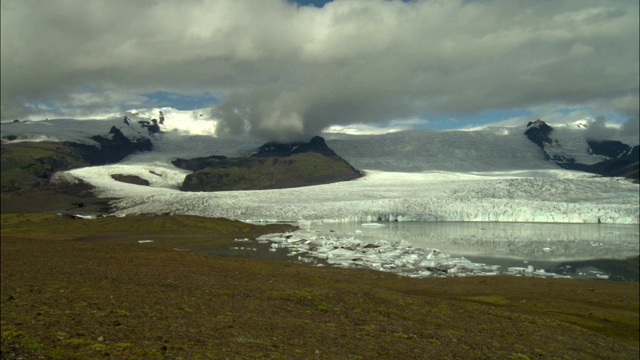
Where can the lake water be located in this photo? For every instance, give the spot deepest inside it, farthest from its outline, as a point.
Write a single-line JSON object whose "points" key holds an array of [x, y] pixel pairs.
{"points": [[578, 250]]}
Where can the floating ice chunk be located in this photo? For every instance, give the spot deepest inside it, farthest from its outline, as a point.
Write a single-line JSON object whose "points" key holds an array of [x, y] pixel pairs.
{"points": [[437, 254], [398, 257], [372, 224], [86, 217], [340, 253]]}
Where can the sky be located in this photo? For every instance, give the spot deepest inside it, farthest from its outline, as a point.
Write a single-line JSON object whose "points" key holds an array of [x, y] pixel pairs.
{"points": [[285, 70]]}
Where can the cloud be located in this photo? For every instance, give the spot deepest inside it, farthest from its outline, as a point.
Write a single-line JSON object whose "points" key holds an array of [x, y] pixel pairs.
{"points": [[598, 130], [631, 127], [286, 72]]}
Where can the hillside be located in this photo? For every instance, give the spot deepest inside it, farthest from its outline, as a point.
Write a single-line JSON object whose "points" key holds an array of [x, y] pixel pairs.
{"points": [[272, 166], [29, 164]]}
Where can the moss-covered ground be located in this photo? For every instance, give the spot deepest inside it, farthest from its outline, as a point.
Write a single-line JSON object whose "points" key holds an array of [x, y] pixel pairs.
{"points": [[87, 289]]}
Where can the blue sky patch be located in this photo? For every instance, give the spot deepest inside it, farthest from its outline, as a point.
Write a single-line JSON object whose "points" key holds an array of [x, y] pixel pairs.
{"points": [[181, 101]]}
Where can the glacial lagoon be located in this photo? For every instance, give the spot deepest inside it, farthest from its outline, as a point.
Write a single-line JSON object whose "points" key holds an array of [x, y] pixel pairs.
{"points": [[423, 249]]}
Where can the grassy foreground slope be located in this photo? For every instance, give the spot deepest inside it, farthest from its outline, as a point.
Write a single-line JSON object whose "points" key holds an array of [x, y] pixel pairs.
{"points": [[86, 289]]}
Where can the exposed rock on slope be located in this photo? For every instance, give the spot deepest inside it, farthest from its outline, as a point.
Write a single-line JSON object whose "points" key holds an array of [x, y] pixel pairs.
{"points": [[112, 149], [538, 132], [272, 166], [627, 166], [619, 159]]}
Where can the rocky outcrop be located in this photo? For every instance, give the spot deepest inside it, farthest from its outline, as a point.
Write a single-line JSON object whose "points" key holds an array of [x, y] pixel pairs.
{"points": [[271, 166], [112, 148], [273, 149], [196, 164], [539, 133], [608, 148], [627, 165]]}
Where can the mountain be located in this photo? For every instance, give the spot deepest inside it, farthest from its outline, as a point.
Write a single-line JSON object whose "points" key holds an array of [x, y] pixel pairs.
{"points": [[577, 152], [539, 133], [271, 166], [28, 164]]}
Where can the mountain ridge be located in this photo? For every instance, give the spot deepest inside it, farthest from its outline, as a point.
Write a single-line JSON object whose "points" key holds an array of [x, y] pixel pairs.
{"points": [[271, 166], [187, 139]]}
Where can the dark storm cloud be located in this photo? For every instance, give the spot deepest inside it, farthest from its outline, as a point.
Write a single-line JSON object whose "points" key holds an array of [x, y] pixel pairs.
{"points": [[287, 71]]}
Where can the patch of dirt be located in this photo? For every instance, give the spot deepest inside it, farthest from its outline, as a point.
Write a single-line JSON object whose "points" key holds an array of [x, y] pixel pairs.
{"points": [[130, 179]]}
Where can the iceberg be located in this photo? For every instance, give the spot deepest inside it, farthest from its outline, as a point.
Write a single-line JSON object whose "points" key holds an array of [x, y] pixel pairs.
{"points": [[398, 257]]}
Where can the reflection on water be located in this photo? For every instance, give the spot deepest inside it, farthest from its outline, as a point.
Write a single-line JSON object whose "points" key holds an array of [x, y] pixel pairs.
{"points": [[579, 250], [527, 241]]}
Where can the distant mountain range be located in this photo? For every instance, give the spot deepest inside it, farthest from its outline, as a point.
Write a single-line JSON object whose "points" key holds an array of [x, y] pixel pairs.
{"points": [[27, 164]]}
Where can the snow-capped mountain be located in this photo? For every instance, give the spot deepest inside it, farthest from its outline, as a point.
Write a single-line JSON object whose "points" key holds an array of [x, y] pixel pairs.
{"points": [[568, 146], [490, 174], [572, 150]]}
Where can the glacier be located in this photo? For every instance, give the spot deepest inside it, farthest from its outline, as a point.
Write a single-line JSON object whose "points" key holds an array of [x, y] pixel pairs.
{"points": [[386, 196]]}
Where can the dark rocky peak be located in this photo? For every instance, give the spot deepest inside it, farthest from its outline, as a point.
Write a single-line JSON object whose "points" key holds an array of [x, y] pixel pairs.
{"points": [[538, 132], [111, 148], [539, 124], [199, 163], [118, 136], [608, 148], [316, 144]]}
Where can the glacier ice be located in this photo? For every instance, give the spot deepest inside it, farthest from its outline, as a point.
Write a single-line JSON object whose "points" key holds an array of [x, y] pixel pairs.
{"points": [[384, 196]]}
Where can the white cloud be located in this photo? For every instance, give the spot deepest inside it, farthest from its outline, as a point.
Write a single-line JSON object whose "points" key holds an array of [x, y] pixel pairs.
{"points": [[297, 70], [598, 130]]}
